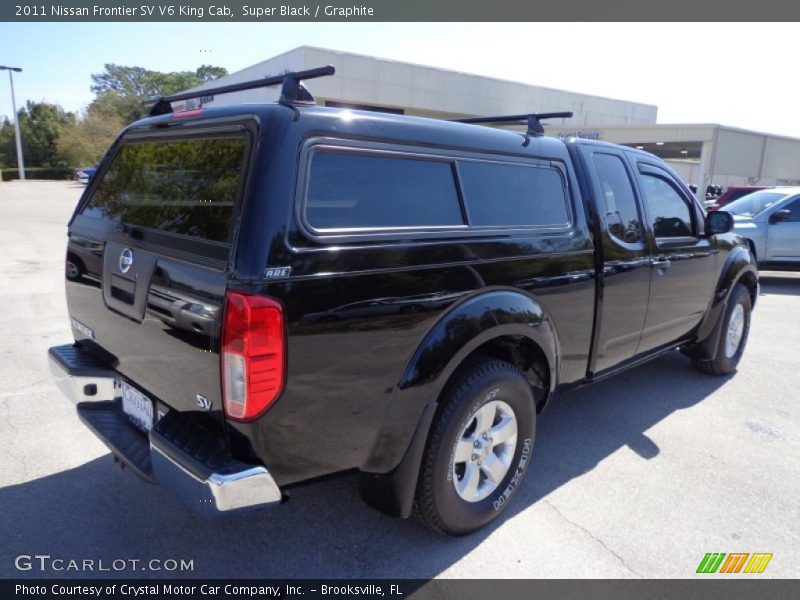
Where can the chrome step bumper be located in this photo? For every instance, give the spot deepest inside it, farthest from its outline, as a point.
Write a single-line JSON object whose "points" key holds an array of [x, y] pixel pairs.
{"points": [[80, 376], [216, 493], [179, 455]]}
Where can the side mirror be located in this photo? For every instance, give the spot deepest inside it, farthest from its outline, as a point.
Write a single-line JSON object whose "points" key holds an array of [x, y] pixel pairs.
{"points": [[718, 222], [783, 214]]}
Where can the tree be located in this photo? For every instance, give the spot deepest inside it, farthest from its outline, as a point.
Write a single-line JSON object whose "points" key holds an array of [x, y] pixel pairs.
{"points": [[122, 89], [88, 140], [125, 108], [209, 73], [8, 152], [126, 81], [41, 124]]}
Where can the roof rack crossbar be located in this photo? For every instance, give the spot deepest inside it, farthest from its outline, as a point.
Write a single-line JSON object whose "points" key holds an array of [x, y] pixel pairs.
{"points": [[534, 121], [292, 92]]}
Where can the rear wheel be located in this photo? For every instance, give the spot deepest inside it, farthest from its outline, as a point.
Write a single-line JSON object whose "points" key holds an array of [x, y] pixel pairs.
{"points": [[479, 448], [733, 338]]}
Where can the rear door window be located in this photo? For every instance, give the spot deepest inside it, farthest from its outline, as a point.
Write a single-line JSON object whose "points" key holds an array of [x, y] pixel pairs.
{"points": [[182, 186]]}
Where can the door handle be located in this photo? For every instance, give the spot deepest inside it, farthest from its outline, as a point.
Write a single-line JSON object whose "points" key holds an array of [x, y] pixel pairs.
{"points": [[662, 262]]}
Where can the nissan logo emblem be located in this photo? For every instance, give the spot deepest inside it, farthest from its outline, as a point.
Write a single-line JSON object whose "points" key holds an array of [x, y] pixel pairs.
{"points": [[126, 260]]}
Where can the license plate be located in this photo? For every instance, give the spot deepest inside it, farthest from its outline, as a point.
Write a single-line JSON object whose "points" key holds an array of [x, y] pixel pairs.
{"points": [[138, 407]]}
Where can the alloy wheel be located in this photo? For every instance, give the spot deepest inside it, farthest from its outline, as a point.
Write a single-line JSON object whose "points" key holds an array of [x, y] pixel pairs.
{"points": [[484, 450]]}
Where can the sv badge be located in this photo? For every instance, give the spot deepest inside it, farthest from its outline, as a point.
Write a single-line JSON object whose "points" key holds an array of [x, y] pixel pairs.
{"points": [[203, 402]]}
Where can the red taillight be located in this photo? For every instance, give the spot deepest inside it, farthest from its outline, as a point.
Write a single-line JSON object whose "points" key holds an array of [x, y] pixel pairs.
{"points": [[253, 355]]}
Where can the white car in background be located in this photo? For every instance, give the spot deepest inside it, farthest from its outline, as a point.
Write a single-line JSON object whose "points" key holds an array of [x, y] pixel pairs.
{"points": [[770, 221]]}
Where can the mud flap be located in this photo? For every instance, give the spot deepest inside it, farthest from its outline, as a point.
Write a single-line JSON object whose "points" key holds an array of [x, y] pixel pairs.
{"points": [[393, 493]]}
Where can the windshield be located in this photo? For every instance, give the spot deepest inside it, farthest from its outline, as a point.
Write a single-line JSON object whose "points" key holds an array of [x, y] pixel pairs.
{"points": [[753, 204]]}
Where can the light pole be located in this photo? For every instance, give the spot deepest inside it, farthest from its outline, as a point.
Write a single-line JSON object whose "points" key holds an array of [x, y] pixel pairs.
{"points": [[20, 161]]}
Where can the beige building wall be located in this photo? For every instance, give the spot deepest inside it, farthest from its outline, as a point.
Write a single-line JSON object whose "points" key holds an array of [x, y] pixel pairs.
{"points": [[426, 91], [781, 157], [738, 153], [716, 154]]}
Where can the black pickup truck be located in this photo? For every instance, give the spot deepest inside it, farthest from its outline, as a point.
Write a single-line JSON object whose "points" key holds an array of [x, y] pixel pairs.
{"points": [[266, 294]]}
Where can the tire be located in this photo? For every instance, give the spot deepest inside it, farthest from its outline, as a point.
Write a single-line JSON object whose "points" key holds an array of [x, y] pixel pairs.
{"points": [[729, 348], [73, 269], [449, 499]]}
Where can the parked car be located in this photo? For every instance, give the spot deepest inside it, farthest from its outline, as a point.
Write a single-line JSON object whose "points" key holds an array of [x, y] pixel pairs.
{"points": [[770, 222], [85, 174], [84, 259], [389, 295], [733, 193]]}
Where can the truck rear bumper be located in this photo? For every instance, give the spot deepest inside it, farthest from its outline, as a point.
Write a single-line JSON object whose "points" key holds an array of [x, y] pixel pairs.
{"points": [[178, 454]]}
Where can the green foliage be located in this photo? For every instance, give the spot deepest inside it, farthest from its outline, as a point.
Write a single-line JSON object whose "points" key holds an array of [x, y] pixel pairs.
{"points": [[125, 108], [86, 142], [210, 73], [39, 173], [126, 81], [8, 152], [41, 124], [122, 89]]}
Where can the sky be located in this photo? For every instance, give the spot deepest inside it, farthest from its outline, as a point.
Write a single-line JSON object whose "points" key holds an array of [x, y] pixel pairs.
{"points": [[738, 74]]}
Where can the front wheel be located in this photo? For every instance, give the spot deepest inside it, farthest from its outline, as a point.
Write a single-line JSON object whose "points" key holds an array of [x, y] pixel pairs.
{"points": [[733, 337], [479, 448]]}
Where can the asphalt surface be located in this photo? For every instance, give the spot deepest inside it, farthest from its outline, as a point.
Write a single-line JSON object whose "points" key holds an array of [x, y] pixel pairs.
{"points": [[639, 476]]}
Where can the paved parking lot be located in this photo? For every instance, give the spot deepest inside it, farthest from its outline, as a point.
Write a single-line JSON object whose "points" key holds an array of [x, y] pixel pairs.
{"points": [[639, 476]]}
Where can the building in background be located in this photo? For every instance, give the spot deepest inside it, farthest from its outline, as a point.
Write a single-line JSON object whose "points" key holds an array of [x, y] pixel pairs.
{"points": [[707, 154], [702, 154]]}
